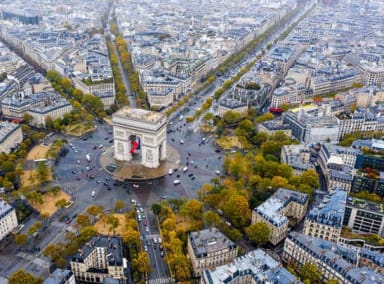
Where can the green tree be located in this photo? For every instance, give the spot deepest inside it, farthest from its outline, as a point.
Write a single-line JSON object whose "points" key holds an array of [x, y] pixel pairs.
{"points": [[22, 277], [193, 209], [258, 233], [333, 281], [310, 272], [156, 209], [27, 118]]}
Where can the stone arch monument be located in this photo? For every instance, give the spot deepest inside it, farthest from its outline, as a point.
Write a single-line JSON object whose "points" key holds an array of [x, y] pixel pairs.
{"points": [[140, 133]]}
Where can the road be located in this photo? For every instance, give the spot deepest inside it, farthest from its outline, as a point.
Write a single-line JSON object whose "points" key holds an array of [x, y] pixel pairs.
{"points": [[124, 75]]}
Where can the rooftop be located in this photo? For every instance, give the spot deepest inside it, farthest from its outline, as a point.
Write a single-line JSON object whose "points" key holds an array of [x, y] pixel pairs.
{"points": [[4, 207], [260, 266], [6, 129], [271, 209], [208, 241], [333, 255], [362, 204], [58, 276], [113, 250], [139, 114], [331, 209]]}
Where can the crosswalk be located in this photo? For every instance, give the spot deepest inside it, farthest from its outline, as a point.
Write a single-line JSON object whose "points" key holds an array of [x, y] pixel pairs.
{"points": [[160, 281]]}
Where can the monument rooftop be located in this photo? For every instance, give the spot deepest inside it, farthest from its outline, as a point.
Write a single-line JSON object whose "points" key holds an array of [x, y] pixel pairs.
{"points": [[140, 114]]}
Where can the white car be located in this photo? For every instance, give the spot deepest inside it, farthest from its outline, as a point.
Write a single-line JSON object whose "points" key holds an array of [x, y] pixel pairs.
{"points": [[159, 240], [93, 193], [181, 142], [78, 161], [135, 185], [176, 182], [145, 248], [185, 169], [170, 172]]}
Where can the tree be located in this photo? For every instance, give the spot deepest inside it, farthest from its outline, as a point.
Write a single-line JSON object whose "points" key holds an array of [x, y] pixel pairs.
{"points": [[22, 277], [95, 210], [83, 220], [27, 118], [236, 209], [54, 251], [278, 181], [61, 203], [231, 117], [42, 172], [310, 272], [156, 209], [284, 106], [258, 233], [86, 233], [119, 205], [181, 267], [142, 263], [193, 209], [310, 178], [131, 236], [332, 281], [21, 239], [211, 218], [113, 222]]}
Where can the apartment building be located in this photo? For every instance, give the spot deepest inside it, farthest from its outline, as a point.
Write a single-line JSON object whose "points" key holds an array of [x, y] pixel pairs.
{"points": [[363, 216], [101, 257], [38, 105], [329, 259], [8, 220], [104, 89], [208, 249], [275, 211], [326, 220], [312, 129], [11, 136], [234, 105], [273, 126], [254, 267], [60, 276], [298, 157]]}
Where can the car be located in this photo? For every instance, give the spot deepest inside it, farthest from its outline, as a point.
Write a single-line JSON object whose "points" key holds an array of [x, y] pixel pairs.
{"points": [[145, 223], [176, 182], [94, 147], [145, 248], [110, 132], [164, 197], [98, 181], [161, 248], [133, 201], [78, 161], [74, 172], [109, 188], [170, 172], [135, 186], [110, 141], [147, 230], [218, 173], [155, 240], [93, 193], [159, 240], [106, 138], [91, 177], [185, 169], [148, 242], [162, 253], [181, 142]]}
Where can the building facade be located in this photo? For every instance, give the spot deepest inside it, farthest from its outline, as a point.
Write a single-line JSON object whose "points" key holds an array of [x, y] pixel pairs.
{"points": [[11, 136], [326, 220], [60, 276], [302, 249], [208, 249], [101, 257], [8, 220]]}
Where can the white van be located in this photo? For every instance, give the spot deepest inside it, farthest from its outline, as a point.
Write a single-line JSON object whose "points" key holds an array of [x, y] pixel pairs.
{"points": [[93, 193]]}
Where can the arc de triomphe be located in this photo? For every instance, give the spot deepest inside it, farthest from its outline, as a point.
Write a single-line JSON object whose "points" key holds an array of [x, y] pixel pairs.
{"points": [[139, 132]]}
